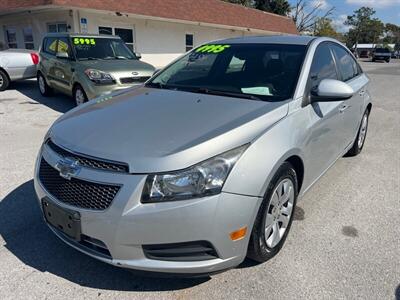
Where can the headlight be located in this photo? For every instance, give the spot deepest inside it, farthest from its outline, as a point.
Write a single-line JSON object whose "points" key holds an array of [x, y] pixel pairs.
{"points": [[204, 179], [99, 77]]}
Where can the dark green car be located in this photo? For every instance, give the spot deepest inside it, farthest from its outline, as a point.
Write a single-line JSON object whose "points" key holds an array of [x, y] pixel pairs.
{"points": [[88, 66]]}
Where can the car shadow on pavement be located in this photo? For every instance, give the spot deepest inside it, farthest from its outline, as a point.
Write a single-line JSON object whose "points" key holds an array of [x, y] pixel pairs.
{"points": [[28, 238], [57, 102]]}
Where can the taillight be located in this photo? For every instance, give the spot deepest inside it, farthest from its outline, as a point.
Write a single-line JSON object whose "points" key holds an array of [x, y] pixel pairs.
{"points": [[35, 58]]}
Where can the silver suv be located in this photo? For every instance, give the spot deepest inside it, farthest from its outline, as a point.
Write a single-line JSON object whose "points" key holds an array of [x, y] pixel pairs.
{"points": [[204, 165]]}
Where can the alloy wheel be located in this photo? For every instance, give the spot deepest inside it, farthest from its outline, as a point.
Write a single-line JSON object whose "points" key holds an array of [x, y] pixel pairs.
{"points": [[79, 97], [363, 131], [279, 212], [42, 85]]}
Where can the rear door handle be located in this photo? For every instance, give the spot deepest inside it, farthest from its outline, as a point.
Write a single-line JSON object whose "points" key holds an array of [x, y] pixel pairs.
{"points": [[343, 108]]}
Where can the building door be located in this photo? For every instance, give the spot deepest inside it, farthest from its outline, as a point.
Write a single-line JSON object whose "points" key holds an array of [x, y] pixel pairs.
{"points": [[125, 33]]}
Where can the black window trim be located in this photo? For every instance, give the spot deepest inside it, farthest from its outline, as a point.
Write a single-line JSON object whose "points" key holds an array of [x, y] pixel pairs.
{"points": [[359, 70]]}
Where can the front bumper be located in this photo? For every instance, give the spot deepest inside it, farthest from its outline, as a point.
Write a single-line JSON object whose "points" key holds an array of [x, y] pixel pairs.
{"points": [[128, 224]]}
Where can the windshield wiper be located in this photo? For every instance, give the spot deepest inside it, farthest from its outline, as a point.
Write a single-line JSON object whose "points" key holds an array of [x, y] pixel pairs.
{"points": [[224, 93], [157, 85], [88, 58], [116, 57]]}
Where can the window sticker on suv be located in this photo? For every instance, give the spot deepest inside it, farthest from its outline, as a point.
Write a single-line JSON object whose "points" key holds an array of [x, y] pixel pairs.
{"points": [[212, 48], [84, 41]]}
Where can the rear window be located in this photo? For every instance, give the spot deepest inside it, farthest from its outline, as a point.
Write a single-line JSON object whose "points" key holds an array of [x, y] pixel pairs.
{"points": [[384, 50]]}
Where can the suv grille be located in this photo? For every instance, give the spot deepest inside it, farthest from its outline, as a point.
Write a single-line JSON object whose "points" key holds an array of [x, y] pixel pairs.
{"points": [[127, 80], [76, 192], [90, 162]]}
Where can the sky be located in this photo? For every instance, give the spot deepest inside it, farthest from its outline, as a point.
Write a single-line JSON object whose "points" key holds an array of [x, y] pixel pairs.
{"points": [[386, 10]]}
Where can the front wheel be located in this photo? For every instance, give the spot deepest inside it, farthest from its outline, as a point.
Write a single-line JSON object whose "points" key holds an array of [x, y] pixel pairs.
{"points": [[275, 216], [79, 95], [361, 136]]}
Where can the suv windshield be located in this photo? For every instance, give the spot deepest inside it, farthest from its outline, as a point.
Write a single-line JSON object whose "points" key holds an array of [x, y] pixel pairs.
{"points": [[255, 71], [382, 50], [100, 48]]}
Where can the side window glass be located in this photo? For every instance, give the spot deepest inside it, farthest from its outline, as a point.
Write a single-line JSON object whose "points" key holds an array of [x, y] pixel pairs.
{"points": [[50, 45], [323, 66], [346, 64], [63, 46]]}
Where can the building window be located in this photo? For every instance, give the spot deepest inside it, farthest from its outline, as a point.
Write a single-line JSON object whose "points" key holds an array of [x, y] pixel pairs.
{"points": [[189, 42], [28, 38], [57, 27], [105, 30], [11, 34]]}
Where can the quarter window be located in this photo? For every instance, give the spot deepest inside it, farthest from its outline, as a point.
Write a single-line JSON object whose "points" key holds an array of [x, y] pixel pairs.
{"points": [[189, 42], [347, 66], [323, 66]]}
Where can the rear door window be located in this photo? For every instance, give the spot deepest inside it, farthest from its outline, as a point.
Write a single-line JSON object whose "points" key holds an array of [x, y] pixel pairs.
{"points": [[323, 65], [63, 46]]}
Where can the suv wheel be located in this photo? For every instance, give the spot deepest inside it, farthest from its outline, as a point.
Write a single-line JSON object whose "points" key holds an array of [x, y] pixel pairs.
{"points": [[361, 135], [4, 81], [79, 95], [275, 216], [44, 88]]}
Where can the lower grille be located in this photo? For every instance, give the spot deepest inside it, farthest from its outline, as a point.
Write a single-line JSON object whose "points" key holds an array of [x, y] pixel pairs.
{"points": [[127, 80], [76, 192], [189, 251]]}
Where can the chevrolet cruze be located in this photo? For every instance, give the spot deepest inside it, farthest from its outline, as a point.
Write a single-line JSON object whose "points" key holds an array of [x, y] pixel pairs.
{"points": [[203, 164]]}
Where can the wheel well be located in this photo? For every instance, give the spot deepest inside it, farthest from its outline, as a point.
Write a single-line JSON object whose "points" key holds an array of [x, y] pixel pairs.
{"points": [[298, 166], [75, 85], [5, 72], [369, 107]]}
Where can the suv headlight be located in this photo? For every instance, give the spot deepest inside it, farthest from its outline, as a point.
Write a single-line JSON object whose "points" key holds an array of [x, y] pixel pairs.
{"points": [[99, 77], [204, 179]]}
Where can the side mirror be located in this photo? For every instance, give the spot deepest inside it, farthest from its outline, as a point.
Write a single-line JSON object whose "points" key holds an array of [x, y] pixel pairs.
{"points": [[62, 55], [331, 90], [138, 55]]}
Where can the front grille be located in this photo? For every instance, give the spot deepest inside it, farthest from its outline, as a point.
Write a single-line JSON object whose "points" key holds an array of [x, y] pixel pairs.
{"points": [[89, 162], [76, 192], [127, 80], [188, 251]]}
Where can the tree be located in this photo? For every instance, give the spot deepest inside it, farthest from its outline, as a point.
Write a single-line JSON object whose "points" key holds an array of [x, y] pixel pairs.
{"points": [[324, 27], [363, 29], [306, 13], [279, 7], [248, 3], [392, 33]]}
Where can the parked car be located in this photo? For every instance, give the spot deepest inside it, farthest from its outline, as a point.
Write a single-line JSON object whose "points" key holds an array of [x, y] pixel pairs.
{"points": [[381, 54], [16, 64], [88, 66], [203, 165], [364, 54]]}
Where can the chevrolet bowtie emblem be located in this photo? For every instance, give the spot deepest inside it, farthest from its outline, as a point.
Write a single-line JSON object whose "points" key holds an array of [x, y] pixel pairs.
{"points": [[68, 168]]}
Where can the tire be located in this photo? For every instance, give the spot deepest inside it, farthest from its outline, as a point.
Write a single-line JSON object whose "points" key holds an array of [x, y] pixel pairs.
{"points": [[44, 88], [359, 142], [388, 60], [261, 248], [4, 81], [79, 95]]}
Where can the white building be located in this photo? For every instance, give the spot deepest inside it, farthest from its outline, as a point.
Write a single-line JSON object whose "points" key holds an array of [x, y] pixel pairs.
{"points": [[160, 30]]}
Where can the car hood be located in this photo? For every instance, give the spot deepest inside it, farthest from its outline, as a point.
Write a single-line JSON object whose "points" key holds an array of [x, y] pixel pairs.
{"points": [[156, 130], [118, 65]]}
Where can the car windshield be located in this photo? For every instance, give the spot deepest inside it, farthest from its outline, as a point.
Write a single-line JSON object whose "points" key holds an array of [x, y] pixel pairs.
{"points": [[382, 50], [266, 72], [88, 48]]}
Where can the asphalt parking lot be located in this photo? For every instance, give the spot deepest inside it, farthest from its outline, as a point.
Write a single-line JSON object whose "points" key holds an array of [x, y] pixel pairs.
{"points": [[344, 243]]}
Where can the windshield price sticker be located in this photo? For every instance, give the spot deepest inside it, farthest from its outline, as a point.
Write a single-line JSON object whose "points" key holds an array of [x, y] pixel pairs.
{"points": [[84, 41], [212, 48]]}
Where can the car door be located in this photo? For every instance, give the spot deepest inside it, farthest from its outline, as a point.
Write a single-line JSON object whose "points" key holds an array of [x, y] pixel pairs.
{"points": [[351, 109], [63, 66], [47, 59], [324, 140]]}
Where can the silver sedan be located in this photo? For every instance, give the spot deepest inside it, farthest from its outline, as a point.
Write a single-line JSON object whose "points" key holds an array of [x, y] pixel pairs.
{"points": [[16, 64], [203, 165]]}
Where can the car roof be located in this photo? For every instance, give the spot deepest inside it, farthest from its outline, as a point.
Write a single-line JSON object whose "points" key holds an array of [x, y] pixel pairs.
{"points": [[69, 34], [270, 39]]}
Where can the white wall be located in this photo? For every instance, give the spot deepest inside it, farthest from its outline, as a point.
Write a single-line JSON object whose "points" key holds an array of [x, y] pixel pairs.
{"points": [[37, 20], [159, 42]]}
